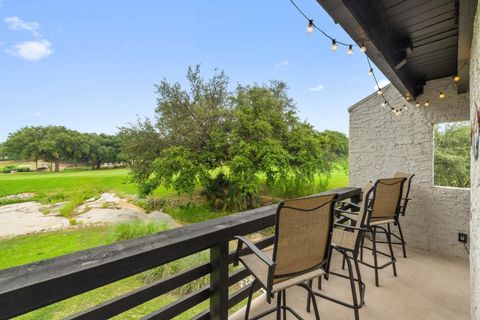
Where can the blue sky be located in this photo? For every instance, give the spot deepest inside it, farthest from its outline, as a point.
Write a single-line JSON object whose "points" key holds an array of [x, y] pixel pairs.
{"points": [[91, 65]]}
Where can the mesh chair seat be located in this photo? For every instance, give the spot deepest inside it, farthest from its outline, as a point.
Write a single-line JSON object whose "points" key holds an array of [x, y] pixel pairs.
{"points": [[260, 271], [377, 222]]}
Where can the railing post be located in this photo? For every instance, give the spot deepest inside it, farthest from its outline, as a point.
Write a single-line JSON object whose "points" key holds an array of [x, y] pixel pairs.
{"points": [[219, 282]]}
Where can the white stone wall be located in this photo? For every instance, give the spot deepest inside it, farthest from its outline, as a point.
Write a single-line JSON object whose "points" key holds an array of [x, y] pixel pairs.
{"points": [[382, 143], [475, 175]]}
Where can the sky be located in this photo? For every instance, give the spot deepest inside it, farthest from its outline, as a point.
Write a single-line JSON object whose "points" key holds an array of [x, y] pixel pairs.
{"points": [[91, 65]]}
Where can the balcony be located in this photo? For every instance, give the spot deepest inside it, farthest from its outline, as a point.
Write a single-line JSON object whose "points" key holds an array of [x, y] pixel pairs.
{"points": [[427, 284]]}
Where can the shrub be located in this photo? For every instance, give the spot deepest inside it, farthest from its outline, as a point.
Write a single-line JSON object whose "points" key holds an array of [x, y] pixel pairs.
{"points": [[193, 213], [9, 168], [223, 194], [23, 169], [138, 228]]}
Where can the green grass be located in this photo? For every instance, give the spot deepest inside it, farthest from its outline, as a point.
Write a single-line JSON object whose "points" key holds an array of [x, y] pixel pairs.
{"points": [[192, 213], [32, 248]]}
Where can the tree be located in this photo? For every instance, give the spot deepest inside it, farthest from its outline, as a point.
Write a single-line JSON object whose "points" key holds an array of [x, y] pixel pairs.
{"points": [[57, 143], [24, 144], [226, 142], [452, 156]]}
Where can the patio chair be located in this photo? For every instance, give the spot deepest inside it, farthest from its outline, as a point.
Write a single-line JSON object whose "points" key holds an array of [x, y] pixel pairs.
{"points": [[403, 208], [301, 251], [347, 239], [384, 208]]}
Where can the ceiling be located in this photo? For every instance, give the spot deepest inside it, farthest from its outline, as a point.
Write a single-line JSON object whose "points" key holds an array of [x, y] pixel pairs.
{"points": [[411, 41]]}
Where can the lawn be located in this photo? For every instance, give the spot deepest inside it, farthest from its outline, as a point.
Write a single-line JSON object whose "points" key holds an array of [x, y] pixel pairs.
{"points": [[75, 186]]}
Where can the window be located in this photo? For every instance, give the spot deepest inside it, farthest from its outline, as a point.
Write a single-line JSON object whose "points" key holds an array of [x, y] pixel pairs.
{"points": [[452, 154]]}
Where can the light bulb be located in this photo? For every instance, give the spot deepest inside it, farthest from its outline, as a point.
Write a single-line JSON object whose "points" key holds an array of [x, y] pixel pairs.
{"points": [[417, 104], [379, 92], [310, 26], [407, 98], [363, 49], [456, 78], [334, 45], [384, 103], [441, 95], [427, 103], [405, 107], [370, 72], [350, 50]]}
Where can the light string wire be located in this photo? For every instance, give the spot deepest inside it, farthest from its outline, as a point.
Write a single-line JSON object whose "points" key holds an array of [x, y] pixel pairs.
{"points": [[380, 92]]}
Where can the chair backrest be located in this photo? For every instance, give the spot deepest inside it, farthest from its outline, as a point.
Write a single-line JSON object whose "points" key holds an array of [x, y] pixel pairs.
{"points": [[303, 232], [407, 184], [386, 199], [366, 197]]}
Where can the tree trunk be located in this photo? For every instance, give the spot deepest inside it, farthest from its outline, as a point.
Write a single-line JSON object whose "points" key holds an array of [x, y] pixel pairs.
{"points": [[93, 165], [98, 164], [57, 165], [36, 163]]}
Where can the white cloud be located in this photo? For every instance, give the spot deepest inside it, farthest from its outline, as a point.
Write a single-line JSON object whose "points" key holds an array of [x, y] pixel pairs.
{"points": [[320, 87], [16, 23], [284, 63], [382, 83], [37, 114], [32, 50]]}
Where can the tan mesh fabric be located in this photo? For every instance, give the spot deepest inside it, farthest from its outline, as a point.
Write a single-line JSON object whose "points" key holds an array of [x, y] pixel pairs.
{"points": [[387, 196], [347, 238], [258, 268], [302, 235], [406, 185]]}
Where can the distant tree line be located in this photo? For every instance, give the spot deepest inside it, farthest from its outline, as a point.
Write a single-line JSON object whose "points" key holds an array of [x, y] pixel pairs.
{"points": [[57, 144], [229, 143]]}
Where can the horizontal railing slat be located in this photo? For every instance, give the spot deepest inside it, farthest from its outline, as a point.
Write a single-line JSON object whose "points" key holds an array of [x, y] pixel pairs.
{"points": [[241, 294], [141, 295], [181, 305], [35, 285]]}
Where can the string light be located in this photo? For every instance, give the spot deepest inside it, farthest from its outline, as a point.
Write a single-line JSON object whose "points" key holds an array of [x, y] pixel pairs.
{"points": [[334, 45], [350, 50], [310, 26], [417, 104]]}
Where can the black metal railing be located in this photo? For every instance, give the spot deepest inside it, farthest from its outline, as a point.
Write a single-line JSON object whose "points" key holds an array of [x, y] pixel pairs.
{"points": [[36, 285]]}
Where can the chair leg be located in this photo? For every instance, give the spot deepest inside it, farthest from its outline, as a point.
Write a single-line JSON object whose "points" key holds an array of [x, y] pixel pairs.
{"points": [[309, 299], [392, 255], [402, 239], [361, 247], [249, 301], [352, 286], [374, 252], [279, 305], [360, 282], [312, 297], [284, 305], [343, 262]]}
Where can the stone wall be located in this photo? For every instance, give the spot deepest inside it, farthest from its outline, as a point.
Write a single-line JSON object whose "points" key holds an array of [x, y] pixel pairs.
{"points": [[382, 143], [475, 174]]}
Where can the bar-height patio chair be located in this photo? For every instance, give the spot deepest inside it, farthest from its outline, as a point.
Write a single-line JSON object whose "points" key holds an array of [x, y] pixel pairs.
{"points": [[384, 210], [347, 239], [403, 208], [301, 251]]}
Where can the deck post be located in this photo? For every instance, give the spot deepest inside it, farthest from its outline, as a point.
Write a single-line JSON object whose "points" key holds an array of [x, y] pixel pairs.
{"points": [[219, 282]]}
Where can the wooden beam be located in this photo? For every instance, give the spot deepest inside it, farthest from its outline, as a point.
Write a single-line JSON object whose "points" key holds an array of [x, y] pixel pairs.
{"points": [[362, 22], [466, 15]]}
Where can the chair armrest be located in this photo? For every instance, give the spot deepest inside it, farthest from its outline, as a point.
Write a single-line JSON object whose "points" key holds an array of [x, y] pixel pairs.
{"points": [[349, 203], [250, 245], [349, 227]]}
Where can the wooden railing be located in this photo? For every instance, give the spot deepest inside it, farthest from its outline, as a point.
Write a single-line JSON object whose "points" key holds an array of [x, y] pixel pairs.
{"points": [[33, 286]]}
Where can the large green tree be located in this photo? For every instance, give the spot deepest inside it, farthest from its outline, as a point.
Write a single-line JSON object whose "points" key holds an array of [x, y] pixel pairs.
{"points": [[251, 133]]}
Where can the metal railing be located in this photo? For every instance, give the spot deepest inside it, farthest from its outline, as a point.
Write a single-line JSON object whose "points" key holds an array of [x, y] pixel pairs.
{"points": [[36, 285]]}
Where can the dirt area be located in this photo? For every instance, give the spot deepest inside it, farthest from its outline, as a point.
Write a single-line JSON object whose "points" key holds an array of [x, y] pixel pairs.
{"points": [[29, 217]]}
